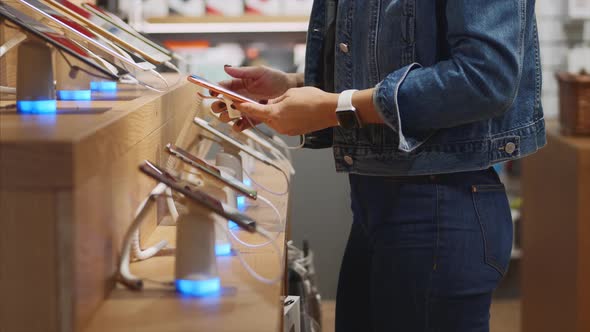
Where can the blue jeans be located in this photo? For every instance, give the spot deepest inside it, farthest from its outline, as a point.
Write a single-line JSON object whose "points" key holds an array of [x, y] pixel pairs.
{"points": [[424, 253]]}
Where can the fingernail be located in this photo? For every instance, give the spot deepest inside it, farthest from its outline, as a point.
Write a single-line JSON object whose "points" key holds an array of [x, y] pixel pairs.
{"points": [[264, 101], [225, 66]]}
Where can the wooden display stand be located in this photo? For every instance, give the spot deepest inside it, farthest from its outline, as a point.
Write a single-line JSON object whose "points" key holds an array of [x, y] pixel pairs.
{"points": [[69, 186], [556, 236]]}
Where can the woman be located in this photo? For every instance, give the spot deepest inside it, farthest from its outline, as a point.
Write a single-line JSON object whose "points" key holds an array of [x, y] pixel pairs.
{"points": [[418, 99]]}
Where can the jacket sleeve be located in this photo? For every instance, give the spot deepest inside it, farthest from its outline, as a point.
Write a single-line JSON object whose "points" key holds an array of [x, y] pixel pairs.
{"points": [[479, 80]]}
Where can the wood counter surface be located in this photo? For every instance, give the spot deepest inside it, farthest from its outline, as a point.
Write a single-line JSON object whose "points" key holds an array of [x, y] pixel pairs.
{"points": [[556, 235], [69, 186]]}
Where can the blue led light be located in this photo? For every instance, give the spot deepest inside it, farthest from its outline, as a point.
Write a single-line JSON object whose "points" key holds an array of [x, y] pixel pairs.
{"points": [[232, 225], [241, 203], [103, 86], [74, 94], [198, 287], [499, 168], [248, 182], [36, 106], [223, 249]]}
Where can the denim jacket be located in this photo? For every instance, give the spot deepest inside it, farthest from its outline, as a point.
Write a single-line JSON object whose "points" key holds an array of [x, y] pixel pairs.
{"points": [[457, 82]]}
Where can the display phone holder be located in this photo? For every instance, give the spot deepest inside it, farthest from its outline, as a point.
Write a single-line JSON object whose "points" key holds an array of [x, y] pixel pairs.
{"points": [[196, 267], [71, 83], [35, 89], [221, 242], [230, 161], [233, 162], [36, 83]]}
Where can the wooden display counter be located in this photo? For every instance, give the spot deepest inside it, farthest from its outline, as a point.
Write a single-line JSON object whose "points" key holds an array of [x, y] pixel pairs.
{"points": [[244, 304], [69, 187], [556, 236]]}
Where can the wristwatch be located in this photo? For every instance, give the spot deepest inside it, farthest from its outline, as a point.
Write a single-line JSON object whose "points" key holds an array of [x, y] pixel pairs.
{"points": [[347, 116]]}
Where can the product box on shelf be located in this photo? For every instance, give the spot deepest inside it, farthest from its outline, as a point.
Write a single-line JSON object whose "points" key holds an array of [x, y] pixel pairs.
{"points": [[225, 7], [297, 7], [193, 8], [263, 7], [147, 8]]}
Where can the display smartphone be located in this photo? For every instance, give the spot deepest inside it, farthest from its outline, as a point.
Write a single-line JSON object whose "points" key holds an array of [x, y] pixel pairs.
{"points": [[211, 171], [235, 143], [53, 37], [236, 97], [110, 31], [79, 33], [199, 197], [115, 20]]}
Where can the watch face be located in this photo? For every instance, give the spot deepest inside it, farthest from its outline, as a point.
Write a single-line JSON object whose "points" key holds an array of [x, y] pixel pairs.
{"points": [[348, 119]]}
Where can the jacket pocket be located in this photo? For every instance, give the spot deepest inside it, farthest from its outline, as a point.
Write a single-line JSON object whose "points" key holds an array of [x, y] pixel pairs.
{"points": [[495, 221], [394, 29]]}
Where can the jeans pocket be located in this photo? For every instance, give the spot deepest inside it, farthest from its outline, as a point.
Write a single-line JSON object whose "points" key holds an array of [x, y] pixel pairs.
{"points": [[495, 220]]}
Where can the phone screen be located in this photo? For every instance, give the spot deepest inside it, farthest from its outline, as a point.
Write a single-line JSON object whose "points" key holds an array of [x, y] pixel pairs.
{"points": [[200, 81], [199, 197], [111, 31], [211, 171], [52, 36]]}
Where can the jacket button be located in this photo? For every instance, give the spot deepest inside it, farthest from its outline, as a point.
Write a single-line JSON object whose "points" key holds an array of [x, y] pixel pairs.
{"points": [[344, 48], [510, 148], [348, 160]]}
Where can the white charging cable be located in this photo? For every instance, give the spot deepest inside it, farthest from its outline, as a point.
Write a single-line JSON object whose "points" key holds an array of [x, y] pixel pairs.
{"points": [[249, 268], [270, 191], [131, 241], [171, 205], [18, 38], [280, 219], [135, 283]]}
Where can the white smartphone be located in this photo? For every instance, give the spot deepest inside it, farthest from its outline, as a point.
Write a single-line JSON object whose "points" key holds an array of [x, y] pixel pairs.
{"points": [[235, 143], [79, 33], [199, 197], [211, 171], [51, 36], [109, 31], [115, 20]]}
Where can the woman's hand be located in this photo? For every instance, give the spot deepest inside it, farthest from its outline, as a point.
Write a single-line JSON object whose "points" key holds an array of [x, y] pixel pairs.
{"points": [[297, 112], [259, 83]]}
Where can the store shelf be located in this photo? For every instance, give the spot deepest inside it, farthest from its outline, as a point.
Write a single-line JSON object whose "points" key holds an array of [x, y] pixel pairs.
{"points": [[227, 25]]}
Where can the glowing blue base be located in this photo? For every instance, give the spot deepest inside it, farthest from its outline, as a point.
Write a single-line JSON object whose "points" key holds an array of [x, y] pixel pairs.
{"points": [[499, 168], [232, 225], [241, 203], [37, 106], [198, 287], [223, 249], [103, 86], [74, 94]]}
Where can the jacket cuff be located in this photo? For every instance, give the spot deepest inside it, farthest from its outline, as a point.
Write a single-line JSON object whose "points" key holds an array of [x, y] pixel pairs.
{"points": [[386, 101]]}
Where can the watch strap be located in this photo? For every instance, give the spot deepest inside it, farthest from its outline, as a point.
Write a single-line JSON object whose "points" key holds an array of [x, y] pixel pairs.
{"points": [[345, 101]]}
